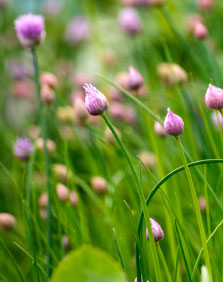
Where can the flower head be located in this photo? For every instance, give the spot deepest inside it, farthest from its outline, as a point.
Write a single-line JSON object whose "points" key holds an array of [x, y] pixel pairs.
{"points": [[156, 229], [214, 97], [130, 21], [173, 124], [95, 102], [23, 148], [135, 79], [30, 30]]}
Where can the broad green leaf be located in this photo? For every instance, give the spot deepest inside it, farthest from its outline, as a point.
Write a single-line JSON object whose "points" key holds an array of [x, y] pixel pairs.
{"points": [[88, 264]]}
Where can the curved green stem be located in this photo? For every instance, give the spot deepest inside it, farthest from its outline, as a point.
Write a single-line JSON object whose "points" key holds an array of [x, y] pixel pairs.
{"points": [[118, 250], [196, 206], [141, 196]]}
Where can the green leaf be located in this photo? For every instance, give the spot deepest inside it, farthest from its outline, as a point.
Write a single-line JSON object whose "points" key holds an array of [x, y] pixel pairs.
{"points": [[88, 264]]}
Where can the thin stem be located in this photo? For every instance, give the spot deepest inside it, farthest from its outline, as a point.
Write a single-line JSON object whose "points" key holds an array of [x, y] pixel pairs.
{"points": [[43, 127], [141, 196], [196, 206], [168, 276], [118, 250], [207, 200]]}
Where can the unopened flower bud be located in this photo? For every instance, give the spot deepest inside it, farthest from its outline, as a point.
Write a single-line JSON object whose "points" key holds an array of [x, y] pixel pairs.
{"points": [[200, 31], [130, 21], [99, 184], [80, 112], [48, 79], [214, 97], [159, 130], [73, 198], [50, 145], [34, 132], [205, 5], [62, 192], [95, 102], [202, 203], [30, 30], [7, 221], [61, 172], [173, 124], [47, 95], [65, 242], [43, 200], [122, 79], [148, 158], [43, 213], [23, 149], [78, 30], [172, 73], [135, 79], [157, 231]]}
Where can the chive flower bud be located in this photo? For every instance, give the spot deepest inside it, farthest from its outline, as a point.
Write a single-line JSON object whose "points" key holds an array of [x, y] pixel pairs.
{"points": [[156, 229], [173, 124], [135, 79], [7, 221], [95, 102], [23, 148], [99, 184], [214, 97], [130, 21]]}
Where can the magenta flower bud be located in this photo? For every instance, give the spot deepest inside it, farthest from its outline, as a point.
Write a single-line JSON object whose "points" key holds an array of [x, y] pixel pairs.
{"points": [[135, 79], [156, 229], [78, 30], [200, 31], [30, 30], [23, 148], [173, 124], [214, 97], [95, 102], [130, 21]]}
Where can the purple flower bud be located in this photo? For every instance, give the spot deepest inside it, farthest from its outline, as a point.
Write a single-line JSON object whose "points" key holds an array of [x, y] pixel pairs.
{"points": [[30, 30], [135, 79], [214, 97], [23, 148], [95, 102], [200, 31], [78, 30], [156, 229], [130, 21], [173, 124]]}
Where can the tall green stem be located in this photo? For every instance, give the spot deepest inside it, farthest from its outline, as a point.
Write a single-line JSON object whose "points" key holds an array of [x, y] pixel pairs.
{"points": [[43, 127], [168, 276], [196, 206], [141, 196]]}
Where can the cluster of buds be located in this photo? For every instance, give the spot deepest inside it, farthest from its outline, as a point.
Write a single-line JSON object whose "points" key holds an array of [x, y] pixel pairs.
{"points": [[48, 84], [62, 173], [7, 221], [172, 74], [64, 194], [50, 145], [99, 184]]}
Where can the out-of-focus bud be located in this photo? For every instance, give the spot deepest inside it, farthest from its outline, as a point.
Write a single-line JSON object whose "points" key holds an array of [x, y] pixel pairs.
{"points": [[216, 119], [43, 213], [173, 124], [122, 79], [157, 231], [62, 192], [52, 8], [114, 94], [62, 173], [110, 137], [159, 130], [50, 145], [40, 178], [99, 184], [205, 5], [200, 31], [130, 21], [65, 114], [109, 58], [48, 79], [80, 111], [80, 79], [7, 221], [130, 2], [65, 242], [205, 274], [78, 30], [172, 74], [122, 112], [47, 95], [148, 158], [95, 102], [66, 133], [135, 79], [73, 198], [214, 97], [23, 149], [3, 4], [43, 200], [191, 21], [202, 203], [23, 89], [33, 132]]}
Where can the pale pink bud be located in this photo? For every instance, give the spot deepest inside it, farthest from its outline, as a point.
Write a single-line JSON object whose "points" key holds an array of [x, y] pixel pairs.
{"points": [[122, 112], [62, 192], [214, 97], [130, 21], [47, 95], [173, 124], [200, 31], [43, 213], [148, 158], [122, 79], [62, 173], [43, 200], [202, 203], [205, 4], [135, 79], [156, 229], [65, 242], [99, 184], [7, 221], [172, 73], [34, 131], [48, 79], [95, 102], [50, 145], [94, 120], [80, 112], [159, 130], [73, 198]]}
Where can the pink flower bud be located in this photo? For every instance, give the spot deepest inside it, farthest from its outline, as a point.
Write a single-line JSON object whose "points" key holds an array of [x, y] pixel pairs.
{"points": [[62, 173], [48, 79], [135, 79], [159, 129], [62, 192], [78, 30], [65, 242], [30, 30], [50, 145], [99, 184], [73, 198], [95, 102], [148, 158], [43, 200], [173, 124], [47, 95], [205, 5], [156, 229], [7, 221], [80, 112], [130, 21], [202, 203], [200, 31], [33, 132], [214, 97]]}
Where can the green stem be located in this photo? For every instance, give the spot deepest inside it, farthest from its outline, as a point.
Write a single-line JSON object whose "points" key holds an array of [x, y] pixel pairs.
{"points": [[118, 250], [207, 200], [43, 127], [168, 276], [197, 209], [141, 196]]}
